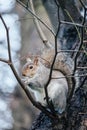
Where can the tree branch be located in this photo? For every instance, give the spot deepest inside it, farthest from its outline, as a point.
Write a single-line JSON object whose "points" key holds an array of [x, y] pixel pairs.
{"points": [[9, 62], [8, 40], [29, 10], [51, 69], [74, 13], [41, 34]]}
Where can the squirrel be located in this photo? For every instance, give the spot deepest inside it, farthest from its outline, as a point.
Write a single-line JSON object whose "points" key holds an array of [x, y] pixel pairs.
{"points": [[36, 74]]}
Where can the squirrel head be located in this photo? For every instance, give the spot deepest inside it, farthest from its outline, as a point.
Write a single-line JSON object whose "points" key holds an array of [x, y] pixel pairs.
{"points": [[33, 72], [29, 69]]}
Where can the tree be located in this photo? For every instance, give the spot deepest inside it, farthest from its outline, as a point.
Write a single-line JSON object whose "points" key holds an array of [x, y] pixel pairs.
{"points": [[72, 30]]}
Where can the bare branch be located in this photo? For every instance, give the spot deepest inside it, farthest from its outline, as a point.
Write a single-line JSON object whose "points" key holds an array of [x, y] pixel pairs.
{"points": [[29, 10], [8, 40], [9, 62], [74, 13], [72, 76], [82, 34], [51, 69], [41, 33], [5, 61], [82, 67], [75, 24], [82, 3]]}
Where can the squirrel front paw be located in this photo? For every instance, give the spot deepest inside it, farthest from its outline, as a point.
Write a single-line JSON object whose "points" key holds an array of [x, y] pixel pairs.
{"points": [[25, 80]]}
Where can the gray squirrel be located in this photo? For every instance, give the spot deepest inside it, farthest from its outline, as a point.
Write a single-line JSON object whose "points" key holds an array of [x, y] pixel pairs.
{"points": [[36, 73], [37, 69]]}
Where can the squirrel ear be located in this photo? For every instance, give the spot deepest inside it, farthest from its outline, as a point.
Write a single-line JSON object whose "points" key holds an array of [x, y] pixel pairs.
{"points": [[36, 61], [28, 59]]}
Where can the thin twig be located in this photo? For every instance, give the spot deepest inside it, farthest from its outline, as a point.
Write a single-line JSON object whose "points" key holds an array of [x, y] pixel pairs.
{"points": [[5, 61], [81, 67], [82, 34], [9, 62], [82, 83], [82, 3], [51, 68], [8, 40], [68, 14], [29, 10], [72, 76], [41, 33], [75, 24]]}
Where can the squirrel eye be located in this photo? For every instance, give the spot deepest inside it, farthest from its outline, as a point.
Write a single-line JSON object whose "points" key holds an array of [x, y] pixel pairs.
{"points": [[31, 67]]}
